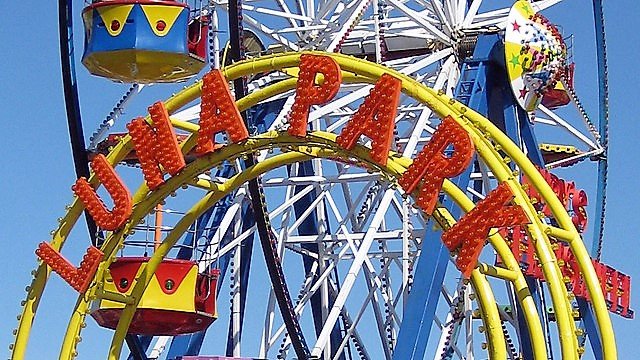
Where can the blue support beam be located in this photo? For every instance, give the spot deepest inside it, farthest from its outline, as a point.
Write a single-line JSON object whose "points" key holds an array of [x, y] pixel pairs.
{"points": [[590, 327], [431, 267], [484, 87], [422, 301], [137, 345]]}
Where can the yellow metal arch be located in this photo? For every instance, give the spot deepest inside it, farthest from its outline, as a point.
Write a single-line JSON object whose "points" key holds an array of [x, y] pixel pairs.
{"points": [[491, 145]]}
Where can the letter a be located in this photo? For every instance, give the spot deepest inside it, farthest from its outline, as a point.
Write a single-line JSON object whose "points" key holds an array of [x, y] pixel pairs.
{"points": [[155, 148], [218, 112], [470, 232], [432, 165], [108, 220], [308, 93], [375, 118]]}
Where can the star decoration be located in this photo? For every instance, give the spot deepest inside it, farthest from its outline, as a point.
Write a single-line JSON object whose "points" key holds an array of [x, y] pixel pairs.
{"points": [[526, 8], [516, 26], [523, 93], [514, 60]]}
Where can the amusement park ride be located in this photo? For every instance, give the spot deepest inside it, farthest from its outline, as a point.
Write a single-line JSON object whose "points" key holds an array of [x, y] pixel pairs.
{"points": [[389, 157]]}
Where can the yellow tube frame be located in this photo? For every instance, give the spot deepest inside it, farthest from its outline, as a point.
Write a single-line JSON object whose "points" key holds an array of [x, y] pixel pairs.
{"points": [[488, 140]]}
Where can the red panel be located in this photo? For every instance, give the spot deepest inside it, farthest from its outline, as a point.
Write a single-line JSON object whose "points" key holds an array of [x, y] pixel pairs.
{"points": [[156, 322], [625, 295], [173, 273], [159, 321], [128, 2], [206, 292], [123, 272], [198, 35], [169, 269]]}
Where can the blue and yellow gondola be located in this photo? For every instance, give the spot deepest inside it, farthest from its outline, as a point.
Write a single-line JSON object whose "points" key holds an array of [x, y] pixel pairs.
{"points": [[142, 41]]}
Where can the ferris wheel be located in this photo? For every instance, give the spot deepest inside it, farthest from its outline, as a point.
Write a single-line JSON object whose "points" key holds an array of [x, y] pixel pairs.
{"points": [[292, 241]]}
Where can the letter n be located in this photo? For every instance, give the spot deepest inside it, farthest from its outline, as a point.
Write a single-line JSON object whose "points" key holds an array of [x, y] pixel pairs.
{"points": [[156, 145]]}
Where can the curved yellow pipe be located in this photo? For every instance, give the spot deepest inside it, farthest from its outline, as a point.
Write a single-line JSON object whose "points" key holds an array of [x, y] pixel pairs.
{"points": [[495, 338], [522, 292], [496, 345], [411, 88], [607, 337], [551, 271]]}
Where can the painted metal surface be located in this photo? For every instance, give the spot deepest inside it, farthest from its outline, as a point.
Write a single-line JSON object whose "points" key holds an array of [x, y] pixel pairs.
{"points": [[439, 103]]}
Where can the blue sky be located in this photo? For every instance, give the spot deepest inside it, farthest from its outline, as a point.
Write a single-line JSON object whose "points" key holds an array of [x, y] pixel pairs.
{"points": [[38, 170]]}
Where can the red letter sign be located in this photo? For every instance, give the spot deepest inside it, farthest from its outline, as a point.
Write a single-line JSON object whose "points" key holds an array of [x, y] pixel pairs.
{"points": [[79, 278], [470, 232], [375, 118], [108, 220], [155, 148], [432, 165], [308, 93], [218, 112]]}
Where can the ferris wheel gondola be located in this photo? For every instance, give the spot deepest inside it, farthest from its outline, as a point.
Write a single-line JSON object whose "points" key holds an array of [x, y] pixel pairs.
{"points": [[140, 41]]}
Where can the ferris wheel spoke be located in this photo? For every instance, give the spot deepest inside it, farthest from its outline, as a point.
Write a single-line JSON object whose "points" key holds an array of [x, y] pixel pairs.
{"points": [[286, 14], [283, 5], [310, 290], [450, 323], [427, 61], [370, 270], [301, 9], [437, 8], [471, 13], [336, 31], [324, 8], [421, 21], [462, 7], [449, 10], [569, 128], [540, 5], [159, 347], [425, 114], [351, 275], [263, 29], [213, 245], [269, 315], [351, 331], [308, 211], [452, 80], [378, 314], [491, 18]]}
